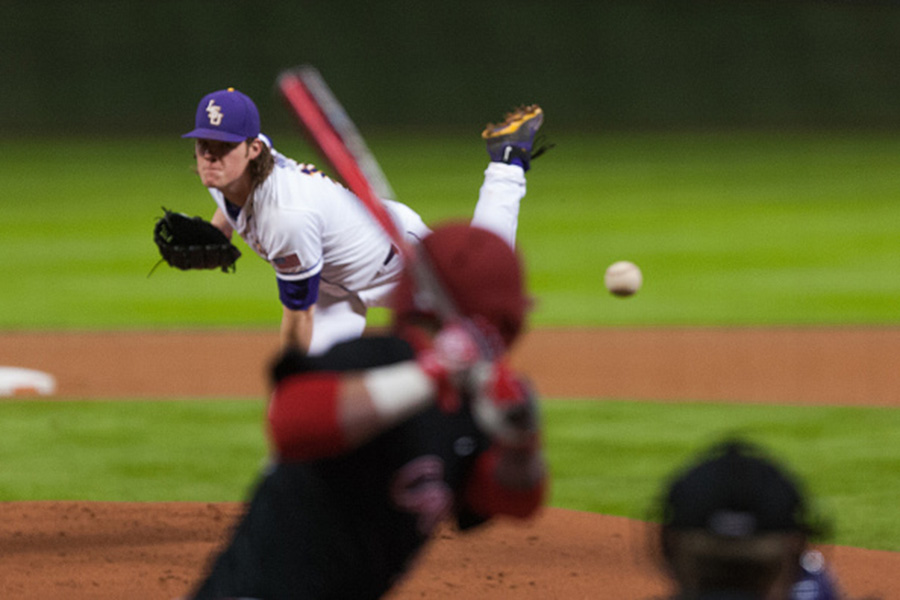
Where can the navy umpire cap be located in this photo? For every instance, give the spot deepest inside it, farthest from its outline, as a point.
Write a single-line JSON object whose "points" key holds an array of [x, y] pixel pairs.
{"points": [[225, 116], [735, 492]]}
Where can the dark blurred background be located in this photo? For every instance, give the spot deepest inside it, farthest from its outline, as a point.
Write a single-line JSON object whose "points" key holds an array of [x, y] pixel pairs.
{"points": [[140, 66]]}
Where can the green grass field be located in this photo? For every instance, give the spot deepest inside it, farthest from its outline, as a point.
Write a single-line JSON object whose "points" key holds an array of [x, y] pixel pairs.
{"points": [[608, 456], [730, 229]]}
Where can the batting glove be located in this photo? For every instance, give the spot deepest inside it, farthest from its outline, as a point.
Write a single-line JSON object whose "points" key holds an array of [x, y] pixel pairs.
{"points": [[453, 352], [504, 406]]}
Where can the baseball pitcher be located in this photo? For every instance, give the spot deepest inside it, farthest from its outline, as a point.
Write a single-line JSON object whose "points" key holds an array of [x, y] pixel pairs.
{"points": [[331, 261]]}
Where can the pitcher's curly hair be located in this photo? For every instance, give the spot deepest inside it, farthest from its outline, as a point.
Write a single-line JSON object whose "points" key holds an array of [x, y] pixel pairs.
{"points": [[261, 166]]}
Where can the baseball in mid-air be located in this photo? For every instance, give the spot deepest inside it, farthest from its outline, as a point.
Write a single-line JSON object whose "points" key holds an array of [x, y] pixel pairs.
{"points": [[623, 278]]}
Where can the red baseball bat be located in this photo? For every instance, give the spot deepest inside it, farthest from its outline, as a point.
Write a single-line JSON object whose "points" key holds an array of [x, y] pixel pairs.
{"points": [[335, 150], [324, 133], [343, 125]]}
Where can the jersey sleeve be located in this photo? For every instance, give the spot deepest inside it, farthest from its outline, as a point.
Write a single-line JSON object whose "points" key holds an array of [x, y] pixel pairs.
{"points": [[295, 252], [295, 247], [485, 496], [303, 417], [303, 420]]}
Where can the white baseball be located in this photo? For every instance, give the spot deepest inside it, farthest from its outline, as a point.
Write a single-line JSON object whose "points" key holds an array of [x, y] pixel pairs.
{"points": [[623, 278]]}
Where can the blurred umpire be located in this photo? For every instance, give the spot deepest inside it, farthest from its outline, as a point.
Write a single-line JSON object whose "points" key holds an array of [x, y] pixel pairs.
{"points": [[736, 526], [383, 438]]}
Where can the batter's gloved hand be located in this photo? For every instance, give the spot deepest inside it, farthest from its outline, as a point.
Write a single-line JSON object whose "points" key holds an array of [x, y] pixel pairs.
{"points": [[505, 405], [192, 243], [452, 353]]}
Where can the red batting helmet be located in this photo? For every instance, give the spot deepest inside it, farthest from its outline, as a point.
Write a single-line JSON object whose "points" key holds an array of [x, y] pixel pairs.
{"points": [[480, 272]]}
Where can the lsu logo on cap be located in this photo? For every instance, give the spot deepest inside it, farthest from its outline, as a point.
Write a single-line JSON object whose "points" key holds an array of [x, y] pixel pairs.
{"points": [[225, 115], [214, 112]]}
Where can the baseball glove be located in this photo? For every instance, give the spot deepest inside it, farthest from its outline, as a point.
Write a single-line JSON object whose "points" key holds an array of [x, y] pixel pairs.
{"points": [[192, 243]]}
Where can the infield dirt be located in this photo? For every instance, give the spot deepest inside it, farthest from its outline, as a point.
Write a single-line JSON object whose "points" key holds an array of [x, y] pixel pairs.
{"points": [[106, 551]]}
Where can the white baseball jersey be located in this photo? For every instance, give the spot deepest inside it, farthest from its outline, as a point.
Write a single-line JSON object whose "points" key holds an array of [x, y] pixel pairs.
{"points": [[305, 224]]}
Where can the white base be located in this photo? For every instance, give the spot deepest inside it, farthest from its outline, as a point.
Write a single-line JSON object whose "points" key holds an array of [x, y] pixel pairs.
{"points": [[16, 381]]}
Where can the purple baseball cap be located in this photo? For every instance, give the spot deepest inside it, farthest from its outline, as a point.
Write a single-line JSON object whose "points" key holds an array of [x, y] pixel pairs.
{"points": [[226, 116]]}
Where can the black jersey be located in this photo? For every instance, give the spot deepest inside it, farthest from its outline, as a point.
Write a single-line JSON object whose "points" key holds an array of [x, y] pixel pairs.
{"points": [[347, 527]]}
